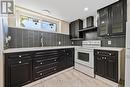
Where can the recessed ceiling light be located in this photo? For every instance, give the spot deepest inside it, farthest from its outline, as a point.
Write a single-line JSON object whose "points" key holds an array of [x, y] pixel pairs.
{"points": [[86, 9], [46, 11]]}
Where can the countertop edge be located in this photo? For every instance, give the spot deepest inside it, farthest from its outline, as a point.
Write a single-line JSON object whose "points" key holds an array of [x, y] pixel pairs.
{"points": [[14, 50]]}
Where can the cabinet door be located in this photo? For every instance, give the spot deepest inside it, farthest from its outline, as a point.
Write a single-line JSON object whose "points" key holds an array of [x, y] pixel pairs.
{"points": [[117, 25], [100, 66], [62, 59], [75, 26], [69, 58], [112, 69], [20, 72], [103, 17], [72, 30]]}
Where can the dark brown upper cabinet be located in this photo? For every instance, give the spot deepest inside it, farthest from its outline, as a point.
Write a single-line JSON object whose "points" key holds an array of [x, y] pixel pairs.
{"points": [[103, 24], [75, 26], [112, 19]]}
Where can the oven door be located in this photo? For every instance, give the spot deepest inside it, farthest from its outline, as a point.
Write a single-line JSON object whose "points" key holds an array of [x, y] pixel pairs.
{"points": [[85, 57]]}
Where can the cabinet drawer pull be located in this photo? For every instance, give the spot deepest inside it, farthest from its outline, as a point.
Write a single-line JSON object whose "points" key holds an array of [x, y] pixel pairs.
{"points": [[54, 60], [41, 74], [41, 63], [20, 61], [20, 56], [54, 68]]}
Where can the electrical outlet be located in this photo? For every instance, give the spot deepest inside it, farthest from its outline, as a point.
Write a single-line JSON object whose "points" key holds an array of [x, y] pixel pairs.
{"points": [[59, 42], [109, 42]]}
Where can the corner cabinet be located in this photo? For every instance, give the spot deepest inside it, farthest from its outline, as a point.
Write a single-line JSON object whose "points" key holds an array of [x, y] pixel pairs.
{"points": [[75, 26], [26, 67], [112, 20]]}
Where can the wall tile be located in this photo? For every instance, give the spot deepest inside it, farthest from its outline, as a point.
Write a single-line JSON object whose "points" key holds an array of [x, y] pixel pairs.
{"points": [[19, 38], [31, 38], [13, 33], [36, 39], [25, 39]]}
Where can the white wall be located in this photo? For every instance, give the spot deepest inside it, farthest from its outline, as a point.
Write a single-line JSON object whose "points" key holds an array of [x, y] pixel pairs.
{"points": [[127, 65], [64, 27], [1, 59], [128, 12], [2, 48]]}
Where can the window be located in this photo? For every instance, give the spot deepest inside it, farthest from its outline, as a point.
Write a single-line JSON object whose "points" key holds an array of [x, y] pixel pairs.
{"points": [[33, 23], [48, 26]]}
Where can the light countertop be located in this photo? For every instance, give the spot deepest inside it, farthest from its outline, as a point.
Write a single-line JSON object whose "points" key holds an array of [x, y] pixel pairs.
{"points": [[13, 50], [110, 48]]}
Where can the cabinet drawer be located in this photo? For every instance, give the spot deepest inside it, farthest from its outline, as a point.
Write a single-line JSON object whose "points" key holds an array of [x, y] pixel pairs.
{"points": [[42, 62], [44, 54], [105, 53], [45, 72], [18, 55], [43, 67], [18, 61]]}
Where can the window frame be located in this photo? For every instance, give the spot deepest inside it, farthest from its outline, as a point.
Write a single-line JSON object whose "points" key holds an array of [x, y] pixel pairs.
{"points": [[40, 20]]}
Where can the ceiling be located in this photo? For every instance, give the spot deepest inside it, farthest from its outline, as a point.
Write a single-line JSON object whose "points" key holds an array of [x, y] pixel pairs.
{"points": [[67, 10]]}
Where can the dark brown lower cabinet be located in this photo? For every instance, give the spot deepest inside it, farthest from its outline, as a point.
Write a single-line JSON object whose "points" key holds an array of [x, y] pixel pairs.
{"points": [[26, 67], [112, 69], [18, 70], [106, 64]]}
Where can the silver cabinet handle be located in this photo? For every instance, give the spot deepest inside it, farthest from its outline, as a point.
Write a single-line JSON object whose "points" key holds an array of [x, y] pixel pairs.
{"points": [[41, 63], [20, 61], [41, 74], [54, 60], [54, 68], [20, 56]]}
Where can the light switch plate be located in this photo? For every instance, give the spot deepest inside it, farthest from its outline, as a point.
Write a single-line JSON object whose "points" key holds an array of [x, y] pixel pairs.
{"points": [[109, 42]]}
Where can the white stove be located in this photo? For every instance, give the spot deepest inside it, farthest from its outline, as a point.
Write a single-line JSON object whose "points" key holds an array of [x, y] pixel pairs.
{"points": [[84, 56]]}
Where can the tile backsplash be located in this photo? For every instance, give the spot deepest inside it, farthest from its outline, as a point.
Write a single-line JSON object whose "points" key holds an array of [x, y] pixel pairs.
{"points": [[116, 41], [22, 38]]}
